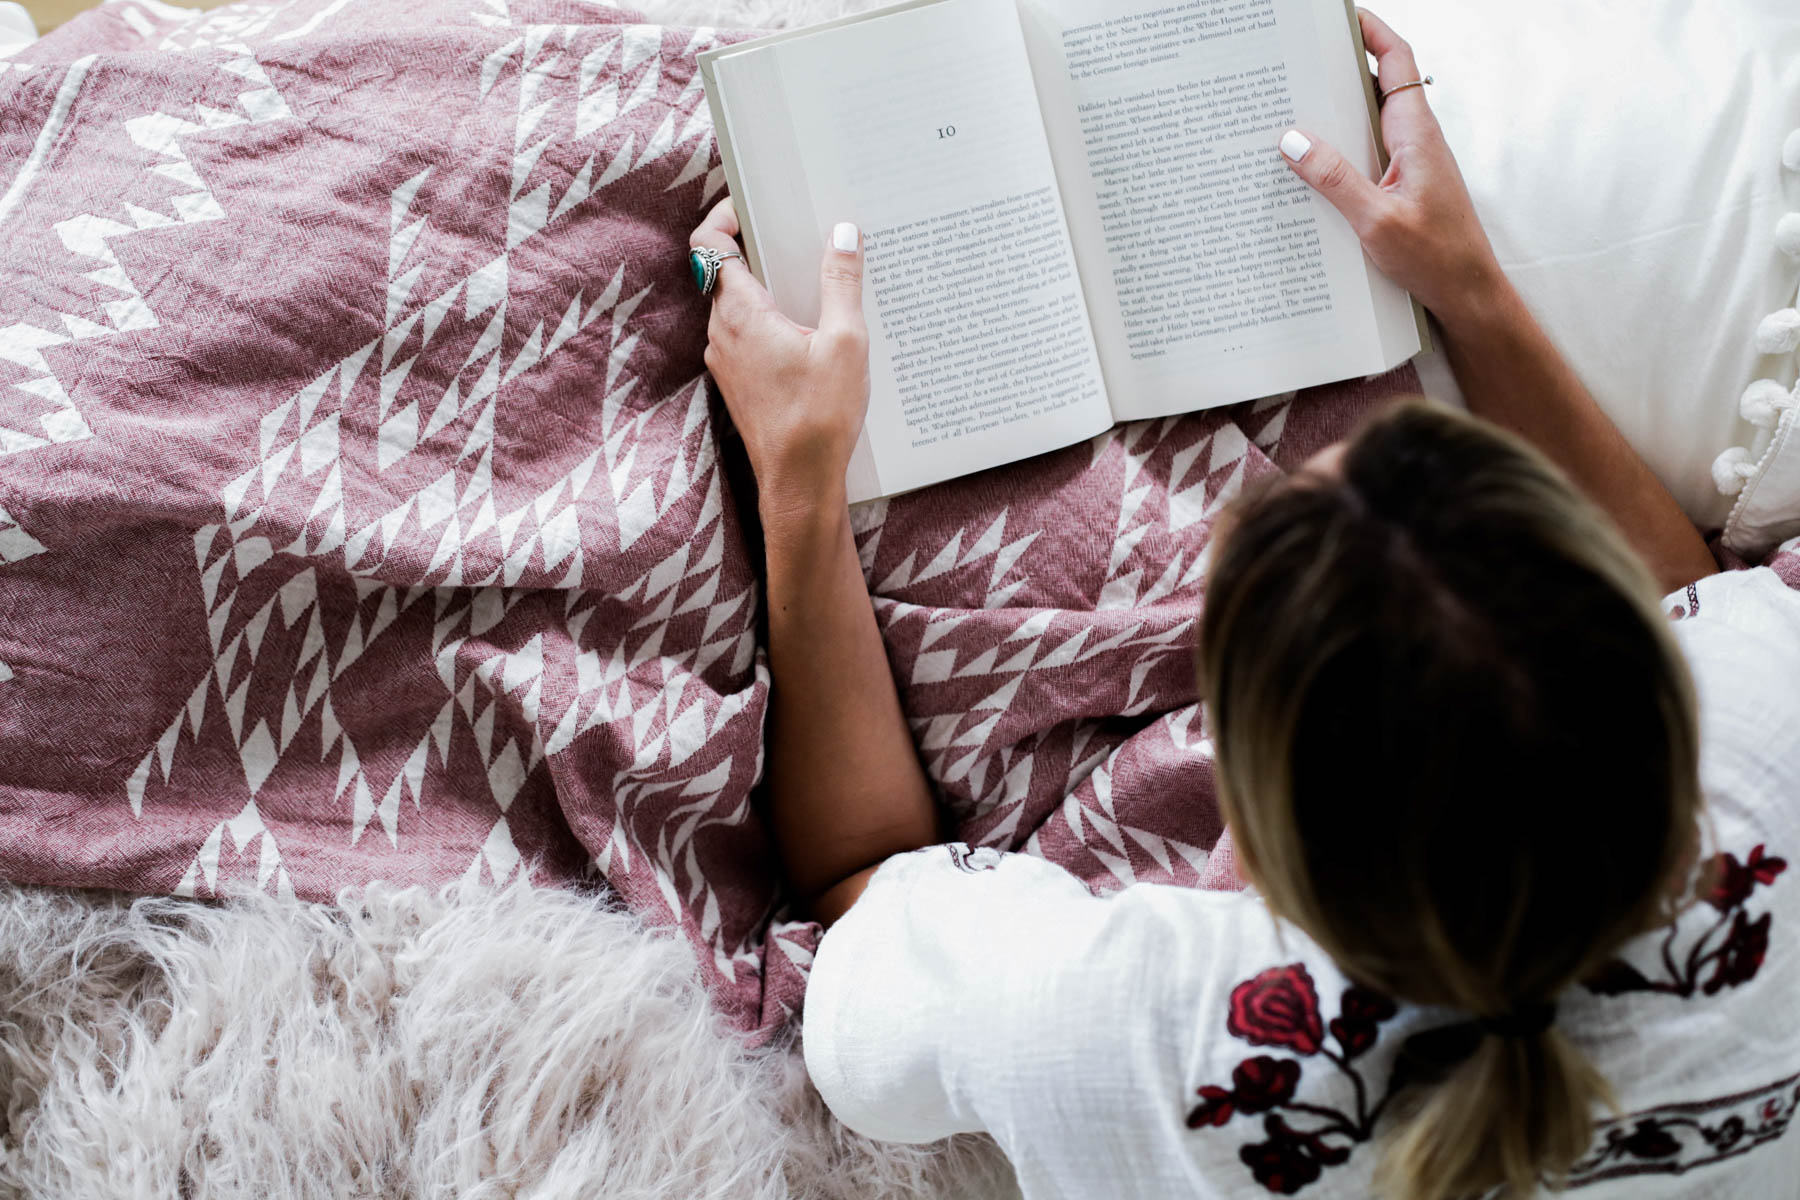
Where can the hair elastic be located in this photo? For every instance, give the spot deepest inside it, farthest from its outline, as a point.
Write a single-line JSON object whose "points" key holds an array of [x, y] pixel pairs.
{"points": [[1525, 1021], [1429, 1057]]}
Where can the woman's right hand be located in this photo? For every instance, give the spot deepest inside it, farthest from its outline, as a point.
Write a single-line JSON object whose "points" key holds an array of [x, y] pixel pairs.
{"points": [[1419, 227], [1418, 224], [796, 395]]}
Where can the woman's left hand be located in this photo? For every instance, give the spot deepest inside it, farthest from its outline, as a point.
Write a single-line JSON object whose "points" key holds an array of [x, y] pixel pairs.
{"points": [[797, 395]]}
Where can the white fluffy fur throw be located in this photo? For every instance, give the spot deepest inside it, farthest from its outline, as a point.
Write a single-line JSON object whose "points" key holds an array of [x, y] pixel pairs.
{"points": [[400, 1044]]}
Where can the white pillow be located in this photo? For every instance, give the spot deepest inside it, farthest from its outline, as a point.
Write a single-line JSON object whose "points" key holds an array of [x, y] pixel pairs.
{"points": [[17, 30], [1626, 156]]}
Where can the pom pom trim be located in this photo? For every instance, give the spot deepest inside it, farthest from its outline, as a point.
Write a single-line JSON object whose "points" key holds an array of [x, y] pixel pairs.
{"points": [[1779, 332], [1764, 401], [1787, 235], [1732, 470]]}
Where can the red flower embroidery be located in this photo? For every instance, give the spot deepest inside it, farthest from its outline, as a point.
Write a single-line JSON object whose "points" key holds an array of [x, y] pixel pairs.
{"points": [[1765, 869], [1280, 1007], [1216, 1107], [1280, 1164], [1262, 1083], [1733, 961], [1361, 1011], [1290, 1159], [1731, 885], [1354, 1036], [1650, 1140], [1742, 955], [1362, 1004], [1728, 1134], [1734, 881]]}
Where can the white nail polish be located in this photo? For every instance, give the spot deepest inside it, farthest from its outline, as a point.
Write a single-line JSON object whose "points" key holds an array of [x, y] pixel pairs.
{"points": [[843, 237], [1295, 145]]}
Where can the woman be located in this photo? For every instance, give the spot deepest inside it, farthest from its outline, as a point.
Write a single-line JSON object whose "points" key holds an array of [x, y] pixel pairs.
{"points": [[1459, 747]]}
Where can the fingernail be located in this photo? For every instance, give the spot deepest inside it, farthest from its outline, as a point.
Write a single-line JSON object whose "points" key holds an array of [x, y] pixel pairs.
{"points": [[843, 237], [1295, 145]]}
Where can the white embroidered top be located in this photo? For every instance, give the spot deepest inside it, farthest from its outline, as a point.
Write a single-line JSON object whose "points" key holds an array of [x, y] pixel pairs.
{"points": [[1167, 1042]]}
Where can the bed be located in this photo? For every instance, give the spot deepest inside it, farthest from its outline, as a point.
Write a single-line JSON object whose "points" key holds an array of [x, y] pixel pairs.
{"points": [[371, 537]]}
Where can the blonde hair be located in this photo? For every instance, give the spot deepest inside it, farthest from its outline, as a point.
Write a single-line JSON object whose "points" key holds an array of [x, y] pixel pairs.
{"points": [[1457, 744]]}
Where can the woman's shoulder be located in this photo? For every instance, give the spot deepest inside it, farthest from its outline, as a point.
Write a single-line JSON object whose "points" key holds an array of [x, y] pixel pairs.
{"points": [[1746, 621], [1297, 1072], [1740, 632], [1693, 1024], [1246, 1058]]}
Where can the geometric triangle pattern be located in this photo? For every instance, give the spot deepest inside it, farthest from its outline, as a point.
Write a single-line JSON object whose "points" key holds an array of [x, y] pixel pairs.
{"points": [[357, 441], [1048, 662], [366, 511]]}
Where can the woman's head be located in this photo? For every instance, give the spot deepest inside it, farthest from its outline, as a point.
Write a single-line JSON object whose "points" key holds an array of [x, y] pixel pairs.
{"points": [[1457, 744]]}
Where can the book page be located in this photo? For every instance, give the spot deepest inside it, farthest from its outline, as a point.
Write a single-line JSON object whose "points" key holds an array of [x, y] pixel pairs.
{"points": [[1214, 273], [921, 126]]}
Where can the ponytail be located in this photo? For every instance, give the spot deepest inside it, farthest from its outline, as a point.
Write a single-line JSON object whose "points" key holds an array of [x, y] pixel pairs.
{"points": [[1516, 1114], [1458, 747]]}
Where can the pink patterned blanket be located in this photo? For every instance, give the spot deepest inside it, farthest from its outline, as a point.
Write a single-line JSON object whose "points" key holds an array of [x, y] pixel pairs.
{"points": [[365, 511]]}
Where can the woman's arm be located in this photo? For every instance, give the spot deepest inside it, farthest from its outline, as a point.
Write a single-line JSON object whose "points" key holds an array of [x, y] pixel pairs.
{"points": [[845, 787], [1419, 227]]}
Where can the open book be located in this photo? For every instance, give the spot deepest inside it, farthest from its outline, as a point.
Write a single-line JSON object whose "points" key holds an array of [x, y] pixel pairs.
{"points": [[1074, 212]]}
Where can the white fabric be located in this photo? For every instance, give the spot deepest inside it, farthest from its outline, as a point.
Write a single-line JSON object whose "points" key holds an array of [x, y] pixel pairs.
{"points": [[17, 30], [1768, 509], [1625, 156], [974, 990]]}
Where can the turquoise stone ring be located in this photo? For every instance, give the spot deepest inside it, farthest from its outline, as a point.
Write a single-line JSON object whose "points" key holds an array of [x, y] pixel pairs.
{"points": [[704, 262]]}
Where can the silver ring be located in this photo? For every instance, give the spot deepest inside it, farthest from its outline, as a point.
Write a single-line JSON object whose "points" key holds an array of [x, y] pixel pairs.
{"points": [[704, 262], [1417, 83]]}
